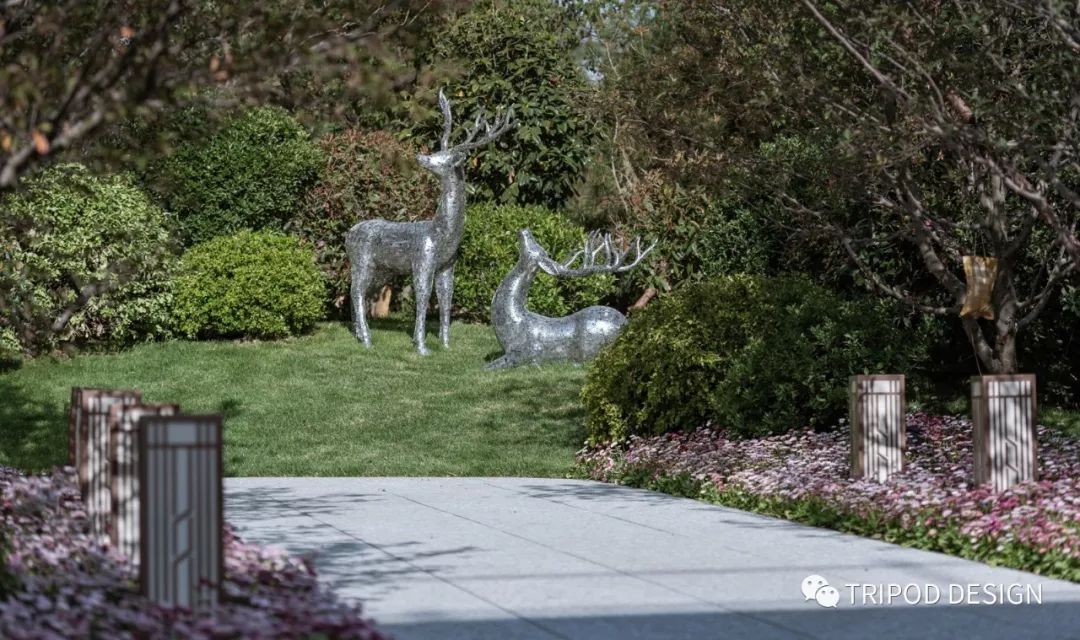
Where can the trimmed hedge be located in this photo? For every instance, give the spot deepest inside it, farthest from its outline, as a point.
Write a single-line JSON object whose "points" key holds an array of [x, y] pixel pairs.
{"points": [[490, 249], [751, 354], [69, 229], [252, 174], [248, 285]]}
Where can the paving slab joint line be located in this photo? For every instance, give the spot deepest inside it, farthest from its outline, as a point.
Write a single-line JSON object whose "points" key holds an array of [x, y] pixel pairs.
{"points": [[766, 621], [515, 614], [574, 506], [742, 552]]}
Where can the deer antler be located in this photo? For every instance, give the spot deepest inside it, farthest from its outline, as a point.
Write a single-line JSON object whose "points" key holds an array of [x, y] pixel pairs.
{"points": [[492, 130], [598, 245], [448, 120]]}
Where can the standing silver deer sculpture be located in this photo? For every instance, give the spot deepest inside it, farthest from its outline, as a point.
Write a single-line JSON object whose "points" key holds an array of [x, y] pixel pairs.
{"points": [[530, 338], [379, 249]]}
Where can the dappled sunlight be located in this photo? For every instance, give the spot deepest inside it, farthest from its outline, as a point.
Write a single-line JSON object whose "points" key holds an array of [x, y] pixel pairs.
{"points": [[33, 430]]}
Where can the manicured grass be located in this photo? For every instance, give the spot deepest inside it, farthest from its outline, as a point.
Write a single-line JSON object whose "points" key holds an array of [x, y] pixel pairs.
{"points": [[1065, 420], [322, 405]]}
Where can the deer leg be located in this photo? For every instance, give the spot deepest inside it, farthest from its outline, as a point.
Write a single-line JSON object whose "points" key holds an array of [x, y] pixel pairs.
{"points": [[360, 280], [444, 291], [423, 275]]}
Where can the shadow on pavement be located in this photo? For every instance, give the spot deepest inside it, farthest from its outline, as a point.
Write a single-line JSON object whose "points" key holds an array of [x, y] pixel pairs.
{"points": [[345, 564], [989, 622]]}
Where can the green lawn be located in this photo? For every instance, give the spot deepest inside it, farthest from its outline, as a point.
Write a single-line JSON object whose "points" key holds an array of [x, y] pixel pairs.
{"points": [[322, 405], [1066, 420]]}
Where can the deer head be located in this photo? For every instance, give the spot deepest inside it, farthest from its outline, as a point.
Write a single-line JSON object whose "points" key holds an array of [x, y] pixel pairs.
{"points": [[448, 158], [599, 255]]}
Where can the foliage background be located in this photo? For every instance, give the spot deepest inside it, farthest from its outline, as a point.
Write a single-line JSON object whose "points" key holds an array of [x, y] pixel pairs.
{"points": [[70, 229], [252, 174], [755, 354], [366, 175], [489, 251], [520, 54]]}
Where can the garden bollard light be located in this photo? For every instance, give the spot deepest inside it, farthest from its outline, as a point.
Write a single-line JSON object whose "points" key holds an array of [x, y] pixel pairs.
{"points": [[1003, 418], [878, 427]]}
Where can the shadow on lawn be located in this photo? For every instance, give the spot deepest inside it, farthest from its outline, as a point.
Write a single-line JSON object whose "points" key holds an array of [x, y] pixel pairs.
{"points": [[541, 401], [397, 323], [33, 432]]}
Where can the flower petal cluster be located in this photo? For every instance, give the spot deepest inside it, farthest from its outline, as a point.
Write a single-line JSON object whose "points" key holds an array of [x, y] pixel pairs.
{"points": [[56, 582], [933, 499]]}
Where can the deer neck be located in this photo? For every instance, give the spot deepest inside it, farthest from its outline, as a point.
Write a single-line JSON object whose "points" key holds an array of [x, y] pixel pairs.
{"points": [[448, 226], [508, 307]]}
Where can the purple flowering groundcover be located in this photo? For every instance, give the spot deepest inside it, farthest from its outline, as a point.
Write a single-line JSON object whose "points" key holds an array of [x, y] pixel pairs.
{"points": [[55, 582], [804, 476]]}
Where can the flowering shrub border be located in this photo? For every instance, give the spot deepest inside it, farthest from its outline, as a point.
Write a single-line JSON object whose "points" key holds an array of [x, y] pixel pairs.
{"points": [[804, 476], [55, 582]]}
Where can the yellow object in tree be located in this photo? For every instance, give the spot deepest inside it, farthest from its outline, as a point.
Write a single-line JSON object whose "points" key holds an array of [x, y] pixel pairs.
{"points": [[980, 273]]}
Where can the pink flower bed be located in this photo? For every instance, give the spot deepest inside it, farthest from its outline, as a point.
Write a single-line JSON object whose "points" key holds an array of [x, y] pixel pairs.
{"points": [[933, 504], [69, 587]]}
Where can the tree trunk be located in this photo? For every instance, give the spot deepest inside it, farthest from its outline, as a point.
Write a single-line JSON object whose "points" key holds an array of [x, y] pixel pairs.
{"points": [[380, 306], [645, 298]]}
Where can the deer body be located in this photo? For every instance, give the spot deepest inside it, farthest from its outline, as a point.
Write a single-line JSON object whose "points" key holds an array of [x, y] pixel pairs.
{"points": [[379, 249], [528, 337]]}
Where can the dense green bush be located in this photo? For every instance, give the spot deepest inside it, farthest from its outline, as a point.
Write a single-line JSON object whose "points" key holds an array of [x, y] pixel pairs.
{"points": [[70, 229], [705, 232], [250, 175], [367, 174], [490, 249], [248, 285], [699, 236], [519, 54], [752, 354], [10, 349]]}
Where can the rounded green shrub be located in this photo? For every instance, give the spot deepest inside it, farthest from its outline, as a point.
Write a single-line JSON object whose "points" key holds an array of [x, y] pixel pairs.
{"points": [[490, 249], [252, 174], [248, 285], [751, 354], [69, 231]]}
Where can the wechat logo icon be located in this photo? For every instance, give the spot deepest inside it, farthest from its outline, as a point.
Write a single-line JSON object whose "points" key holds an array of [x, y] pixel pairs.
{"points": [[816, 588]]}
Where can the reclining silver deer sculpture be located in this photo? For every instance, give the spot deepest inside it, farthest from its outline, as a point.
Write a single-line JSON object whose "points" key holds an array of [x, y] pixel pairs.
{"points": [[530, 338], [379, 249]]}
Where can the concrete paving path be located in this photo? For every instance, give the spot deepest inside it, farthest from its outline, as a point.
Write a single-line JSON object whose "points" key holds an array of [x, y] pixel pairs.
{"points": [[519, 558]]}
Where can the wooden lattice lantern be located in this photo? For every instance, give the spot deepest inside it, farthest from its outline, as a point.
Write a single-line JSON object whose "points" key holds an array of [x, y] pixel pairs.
{"points": [[181, 542], [980, 273], [88, 446], [1003, 411], [123, 525], [878, 428]]}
